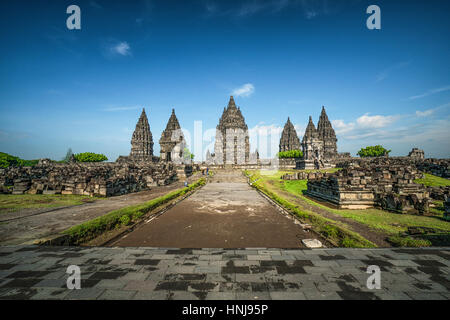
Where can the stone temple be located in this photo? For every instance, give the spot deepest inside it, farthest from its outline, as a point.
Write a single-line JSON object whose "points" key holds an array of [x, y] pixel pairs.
{"points": [[289, 139], [327, 136], [319, 145], [232, 144], [172, 141], [142, 140]]}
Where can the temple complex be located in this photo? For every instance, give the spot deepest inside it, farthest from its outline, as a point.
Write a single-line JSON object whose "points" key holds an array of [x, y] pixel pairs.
{"points": [[232, 144], [289, 139], [172, 141], [142, 140]]}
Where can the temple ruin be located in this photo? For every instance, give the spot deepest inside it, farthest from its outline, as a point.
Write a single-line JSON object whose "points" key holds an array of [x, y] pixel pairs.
{"points": [[232, 144], [289, 139], [319, 145], [172, 141], [142, 140]]}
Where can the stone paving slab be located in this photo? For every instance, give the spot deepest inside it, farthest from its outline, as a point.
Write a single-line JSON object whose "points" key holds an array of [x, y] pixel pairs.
{"points": [[39, 272]]}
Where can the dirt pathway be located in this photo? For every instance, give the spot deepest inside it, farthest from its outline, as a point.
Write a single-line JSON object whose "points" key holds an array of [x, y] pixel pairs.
{"points": [[26, 226], [225, 213]]}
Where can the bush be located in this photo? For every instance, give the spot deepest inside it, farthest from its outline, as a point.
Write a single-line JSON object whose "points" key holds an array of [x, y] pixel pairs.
{"points": [[187, 154], [125, 220], [7, 160], [373, 151], [90, 157], [290, 154]]}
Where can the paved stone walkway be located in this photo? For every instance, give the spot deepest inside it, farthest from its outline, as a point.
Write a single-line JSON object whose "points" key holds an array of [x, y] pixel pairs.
{"points": [[225, 213], [33, 272]]}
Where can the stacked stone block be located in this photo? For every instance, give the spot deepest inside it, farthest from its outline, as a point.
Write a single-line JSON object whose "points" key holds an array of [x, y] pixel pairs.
{"points": [[390, 187], [92, 179]]}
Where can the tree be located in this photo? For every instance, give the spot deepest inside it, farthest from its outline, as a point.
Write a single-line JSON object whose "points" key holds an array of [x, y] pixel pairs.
{"points": [[373, 151], [187, 155], [290, 154], [7, 160], [90, 157]]}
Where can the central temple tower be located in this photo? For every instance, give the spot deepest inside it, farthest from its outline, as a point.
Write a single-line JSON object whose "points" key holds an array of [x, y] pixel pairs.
{"points": [[232, 144]]}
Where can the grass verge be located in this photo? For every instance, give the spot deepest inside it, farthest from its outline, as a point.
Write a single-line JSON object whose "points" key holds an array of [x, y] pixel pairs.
{"points": [[433, 181], [334, 232], [124, 216], [15, 202]]}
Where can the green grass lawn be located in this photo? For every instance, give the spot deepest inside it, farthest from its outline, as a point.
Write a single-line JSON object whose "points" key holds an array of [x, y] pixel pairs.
{"points": [[385, 221], [433, 181], [10, 202]]}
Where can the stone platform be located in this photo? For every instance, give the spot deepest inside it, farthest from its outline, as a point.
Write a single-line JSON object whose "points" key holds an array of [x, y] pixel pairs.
{"points": [[38, 272]]}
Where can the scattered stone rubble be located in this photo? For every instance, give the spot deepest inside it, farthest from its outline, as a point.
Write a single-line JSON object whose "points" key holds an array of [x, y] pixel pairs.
{"points": [[384, 182], [93, 179]]}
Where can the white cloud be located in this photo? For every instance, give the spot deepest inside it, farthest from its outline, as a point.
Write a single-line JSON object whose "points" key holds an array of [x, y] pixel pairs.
{"points": [[245, 91], [425, 113], [341, 127], [122, 48], [430, 92], [377, 121]]}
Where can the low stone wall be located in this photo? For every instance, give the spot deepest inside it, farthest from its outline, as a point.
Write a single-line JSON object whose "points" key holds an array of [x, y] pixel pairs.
{"points": [[270, 164], [304, 175], [437, 167], [93, 179], [438, 193]]}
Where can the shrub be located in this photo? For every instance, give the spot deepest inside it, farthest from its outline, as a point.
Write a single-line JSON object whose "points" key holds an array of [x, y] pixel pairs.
{"points": [[90, 157], [373, 151], [125, 220], [290, 154], [7, 160], [187, 155]]}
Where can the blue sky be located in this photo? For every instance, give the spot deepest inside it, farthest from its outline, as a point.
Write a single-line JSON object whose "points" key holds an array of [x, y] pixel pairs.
{"points": [[85, 88]]}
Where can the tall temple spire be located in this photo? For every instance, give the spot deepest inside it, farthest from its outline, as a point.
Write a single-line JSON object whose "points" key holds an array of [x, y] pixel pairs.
{"points": [[172, 141], [311, 130], [289, 139], [231, 103], [142, 140], [232, 144], [327, 135]]}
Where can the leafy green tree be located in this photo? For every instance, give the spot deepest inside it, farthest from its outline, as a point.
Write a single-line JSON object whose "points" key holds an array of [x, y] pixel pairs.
{"points": [[290, 154], [90, 157], [373, 151], [7, 160], [187, 155]]}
